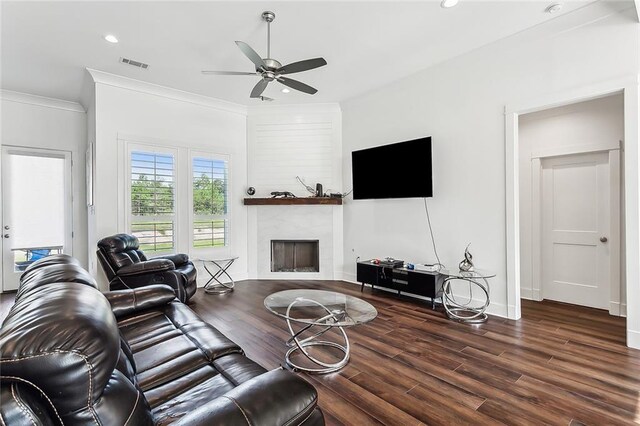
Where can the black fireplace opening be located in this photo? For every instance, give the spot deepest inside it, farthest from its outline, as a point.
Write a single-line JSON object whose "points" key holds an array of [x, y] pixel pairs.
{"points": [[295, 256]]}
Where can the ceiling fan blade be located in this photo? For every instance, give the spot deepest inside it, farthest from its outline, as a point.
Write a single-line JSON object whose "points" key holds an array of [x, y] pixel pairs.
{"points": [[251, 54], [227, 73], [300, 66], [295, 84], [259, 88]]}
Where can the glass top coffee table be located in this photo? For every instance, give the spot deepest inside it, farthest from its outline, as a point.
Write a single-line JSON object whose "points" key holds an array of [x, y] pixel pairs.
{"points": [[318, 311]]}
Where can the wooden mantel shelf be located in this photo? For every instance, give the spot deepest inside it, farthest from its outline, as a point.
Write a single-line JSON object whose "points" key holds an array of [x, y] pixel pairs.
{"points": [[292, 201]]}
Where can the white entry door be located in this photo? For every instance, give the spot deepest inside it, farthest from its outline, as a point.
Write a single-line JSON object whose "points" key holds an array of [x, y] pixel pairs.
{"points": [[36, 208], [577, 241]]}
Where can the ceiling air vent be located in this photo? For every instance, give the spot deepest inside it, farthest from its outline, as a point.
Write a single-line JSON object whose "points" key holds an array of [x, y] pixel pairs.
{"points": [[134, 63]]}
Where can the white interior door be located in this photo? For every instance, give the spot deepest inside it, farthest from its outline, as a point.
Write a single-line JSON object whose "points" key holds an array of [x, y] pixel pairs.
{"points": [[36, 208], [576, 229]]}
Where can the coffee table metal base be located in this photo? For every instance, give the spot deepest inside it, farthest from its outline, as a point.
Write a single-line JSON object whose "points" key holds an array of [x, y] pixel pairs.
{"points": [[300, 345]]}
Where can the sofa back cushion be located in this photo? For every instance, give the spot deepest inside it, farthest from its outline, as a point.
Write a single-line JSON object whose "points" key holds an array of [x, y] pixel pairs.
{"points": [[121, 250], [63, 340], [65, 272], [54, 259]]}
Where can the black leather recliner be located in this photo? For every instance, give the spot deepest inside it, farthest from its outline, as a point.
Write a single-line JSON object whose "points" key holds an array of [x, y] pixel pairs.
{"points": [[138, 357], [126, 266]]}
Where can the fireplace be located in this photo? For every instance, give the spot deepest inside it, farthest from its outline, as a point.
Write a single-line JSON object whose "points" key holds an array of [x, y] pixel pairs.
{"points": [[295, 256]]}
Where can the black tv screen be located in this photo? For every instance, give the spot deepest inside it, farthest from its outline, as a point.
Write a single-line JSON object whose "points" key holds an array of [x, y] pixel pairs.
{"points": [[399, 170]]}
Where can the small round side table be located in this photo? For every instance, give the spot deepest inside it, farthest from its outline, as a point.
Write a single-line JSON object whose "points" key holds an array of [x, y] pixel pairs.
{"points": [[214, 285], [467, 312]]}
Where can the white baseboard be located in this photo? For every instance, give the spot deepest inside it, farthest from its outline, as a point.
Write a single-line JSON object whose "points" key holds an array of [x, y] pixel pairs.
{"points": [[633, 339], [349, 277], [526, 293], [618, 309]]}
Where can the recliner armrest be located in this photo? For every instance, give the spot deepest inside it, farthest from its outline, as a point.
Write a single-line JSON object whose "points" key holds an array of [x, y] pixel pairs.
{"points": [[178, 259], [275, 398], [125, 302], [146, 267]]}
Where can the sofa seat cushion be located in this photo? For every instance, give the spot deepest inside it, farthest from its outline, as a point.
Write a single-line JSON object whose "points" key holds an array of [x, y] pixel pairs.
{"points": [[189, 392], [175, 319], [171, 342], [166, 361]]}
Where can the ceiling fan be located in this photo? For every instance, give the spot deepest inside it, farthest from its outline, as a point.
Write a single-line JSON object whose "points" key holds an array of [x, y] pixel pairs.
{"points": [[271, 70]]}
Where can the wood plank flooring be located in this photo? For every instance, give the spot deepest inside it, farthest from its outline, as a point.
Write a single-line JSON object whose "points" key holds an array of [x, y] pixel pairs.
{"points": [[559, 365]]}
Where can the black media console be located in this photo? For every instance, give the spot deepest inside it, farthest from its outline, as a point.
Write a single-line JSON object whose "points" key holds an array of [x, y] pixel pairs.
{"points": [[403, 280]]}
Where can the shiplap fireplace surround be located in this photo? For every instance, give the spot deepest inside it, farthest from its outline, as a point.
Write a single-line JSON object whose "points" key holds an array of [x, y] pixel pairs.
{"points": [[295, 222]]}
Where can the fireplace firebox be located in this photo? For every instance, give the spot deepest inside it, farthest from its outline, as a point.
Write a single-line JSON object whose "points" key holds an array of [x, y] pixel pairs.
{"points": [[295, 256]]}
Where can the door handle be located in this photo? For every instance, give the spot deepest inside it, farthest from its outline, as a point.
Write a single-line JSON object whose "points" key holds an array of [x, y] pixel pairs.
{"points": [[603, 239], [6, 235], [6, 227]]}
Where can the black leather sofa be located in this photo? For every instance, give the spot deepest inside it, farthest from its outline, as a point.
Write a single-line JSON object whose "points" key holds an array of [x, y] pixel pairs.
{"points": [[72, 355], [126, 266]]}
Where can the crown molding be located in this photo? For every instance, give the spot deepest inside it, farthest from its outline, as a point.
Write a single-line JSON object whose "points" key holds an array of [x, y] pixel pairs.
{"points": [[108, 79], [319, 108], [29, 99]]}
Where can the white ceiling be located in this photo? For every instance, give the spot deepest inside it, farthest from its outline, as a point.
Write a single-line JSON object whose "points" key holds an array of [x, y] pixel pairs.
{"points": [[45, 46]]}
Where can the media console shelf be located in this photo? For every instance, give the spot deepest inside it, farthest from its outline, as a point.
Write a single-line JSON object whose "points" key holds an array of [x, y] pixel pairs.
{"points": [[403, 280]]}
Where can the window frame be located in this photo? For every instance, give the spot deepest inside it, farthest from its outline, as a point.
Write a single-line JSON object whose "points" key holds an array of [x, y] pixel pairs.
{"points": [[175, 218], [193, 217]]}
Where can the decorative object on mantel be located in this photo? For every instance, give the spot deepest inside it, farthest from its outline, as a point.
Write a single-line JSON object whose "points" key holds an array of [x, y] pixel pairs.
{"points": [[251, 191], [282, 194], [281, 201], [467, 263], [318, 190]]}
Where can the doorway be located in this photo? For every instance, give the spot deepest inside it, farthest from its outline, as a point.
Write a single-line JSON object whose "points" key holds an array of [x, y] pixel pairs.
{"points": [[36, 208], [570, 204]]}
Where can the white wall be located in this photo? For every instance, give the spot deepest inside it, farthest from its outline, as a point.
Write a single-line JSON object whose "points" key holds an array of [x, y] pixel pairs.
{"points": [[598, 122], [140, 112], [289, 141], [37, 122], [461, 104]]}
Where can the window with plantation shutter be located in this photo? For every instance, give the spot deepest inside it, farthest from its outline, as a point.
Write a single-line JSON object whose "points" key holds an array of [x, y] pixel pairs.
{"points": [[209, 207], [152, 189]]}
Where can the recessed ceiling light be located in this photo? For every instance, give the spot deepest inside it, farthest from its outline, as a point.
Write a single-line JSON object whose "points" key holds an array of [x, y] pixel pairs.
{"points": [[111, 38], [553, 7], [448, 3], [285, 90]]}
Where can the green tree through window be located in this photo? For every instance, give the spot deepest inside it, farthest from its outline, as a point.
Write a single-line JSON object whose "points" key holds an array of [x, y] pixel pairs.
{"points": [[210, 224], [152, 200]]}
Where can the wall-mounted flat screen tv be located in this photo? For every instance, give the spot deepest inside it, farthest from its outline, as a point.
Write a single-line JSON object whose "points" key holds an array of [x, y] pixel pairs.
{"points": [[399, 170]]}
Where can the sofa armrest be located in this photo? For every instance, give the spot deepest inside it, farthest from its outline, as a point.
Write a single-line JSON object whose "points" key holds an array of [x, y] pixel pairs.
{"points": [[275, 398], [178, 259], [125, 302], [146, 267]]}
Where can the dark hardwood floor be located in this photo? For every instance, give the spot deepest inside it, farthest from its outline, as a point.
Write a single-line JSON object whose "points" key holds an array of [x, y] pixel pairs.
{"points": [[560, 364]]}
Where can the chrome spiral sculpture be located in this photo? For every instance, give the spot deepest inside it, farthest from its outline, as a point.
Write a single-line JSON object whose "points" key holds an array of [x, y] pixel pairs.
{"points": [[466, 312]]}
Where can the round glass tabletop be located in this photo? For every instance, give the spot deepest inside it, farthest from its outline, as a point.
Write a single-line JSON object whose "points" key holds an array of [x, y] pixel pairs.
{"points": [[320, 307], [476, 273]]}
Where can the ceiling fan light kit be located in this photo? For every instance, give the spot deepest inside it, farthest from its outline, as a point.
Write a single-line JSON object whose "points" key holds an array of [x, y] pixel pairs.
{"points": [[270, 69]]}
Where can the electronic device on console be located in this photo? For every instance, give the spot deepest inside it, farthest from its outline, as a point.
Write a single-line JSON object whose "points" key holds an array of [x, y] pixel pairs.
{"points": [[391, 262]]}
